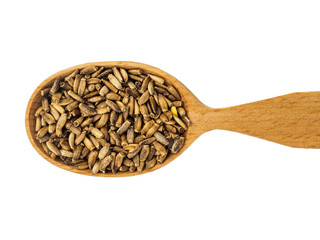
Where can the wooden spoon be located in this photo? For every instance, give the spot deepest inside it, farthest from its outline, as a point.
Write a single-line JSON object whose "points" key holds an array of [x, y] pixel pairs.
{"points": [[292, 120]]}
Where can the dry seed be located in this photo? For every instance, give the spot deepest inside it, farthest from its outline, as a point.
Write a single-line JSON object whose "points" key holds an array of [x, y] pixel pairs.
{"points": [[144, 98], [161, 138], [94, 141], [135, 77], [75, 96], [87, 142], [96, 73], [104, 151], [124, 127], [144, 152], [113, 106], [96, 167], [152, 130], [53, 148], [92, 158], [87, 110], [104, 73], [147, 141], [88, 70], [80, 137], [117, 74], [135, 71], [151, 163], [77, 152], [115, 82]]}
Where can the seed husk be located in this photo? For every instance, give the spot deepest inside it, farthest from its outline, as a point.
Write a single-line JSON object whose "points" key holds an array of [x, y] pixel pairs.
{"points": [[113, 106], [145, 150], [125, 126], [87, 142], [151, 163], [87, 110], [92, 158], [53, 148], [75, 96], [88, 70], [144, 98], [114, 81], [177, 144]]}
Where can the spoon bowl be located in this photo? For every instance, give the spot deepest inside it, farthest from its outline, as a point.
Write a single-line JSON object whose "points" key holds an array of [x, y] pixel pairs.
{"points": [[190, 102], [292, 120]]}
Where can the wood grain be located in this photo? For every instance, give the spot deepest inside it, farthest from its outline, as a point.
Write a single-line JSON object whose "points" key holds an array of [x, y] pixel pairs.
{"points": [[292, 120]]}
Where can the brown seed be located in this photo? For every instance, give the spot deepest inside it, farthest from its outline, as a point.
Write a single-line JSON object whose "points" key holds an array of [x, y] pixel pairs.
{"points": [[110, 86], [140, 167], [152, 130], [163, 103], [113, 117], [92, 158], [177, 144], [125, 126], [130, 134], [86, 122], [113, 106], [134, 152], [75, 96], [48, 117], [144, 152], [144, 98], [123, 169], [147, 126], [119, 159], [55, 86], [144, 85], [113, 96], [87, 142], [80, 137], [96, 73], [60, 124], [135, 71], [157, 79], [87, 110], [95, 142], [104, 90], [96, 167], [93, 81], [82, 165], [45, 104], [147, 141], [54, 113], [76, 83], [159, 147], [96, 132], [180, 122], [66, 153], [151, 163], [104, 73], [88, 70], [105, 162], [104, 151], [85, 151], [135, 77], [95, 99], [115, 82], [139, 139], [102, 121], [116, 137], [53, 148], [137, 124], [161, 138], [117, 74]]}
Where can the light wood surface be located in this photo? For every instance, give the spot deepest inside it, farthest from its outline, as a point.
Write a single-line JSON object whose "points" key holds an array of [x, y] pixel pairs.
{"points": [[292, 120]]}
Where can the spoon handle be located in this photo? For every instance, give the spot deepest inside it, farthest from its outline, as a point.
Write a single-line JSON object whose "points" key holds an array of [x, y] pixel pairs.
{"points": [[292, 120]]}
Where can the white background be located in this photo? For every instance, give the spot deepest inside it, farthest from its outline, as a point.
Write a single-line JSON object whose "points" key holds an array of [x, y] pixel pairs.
{"points": [[226, 185]]}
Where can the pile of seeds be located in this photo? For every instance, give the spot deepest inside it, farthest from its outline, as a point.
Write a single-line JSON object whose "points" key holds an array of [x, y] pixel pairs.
{"points": [[110, 120]]}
